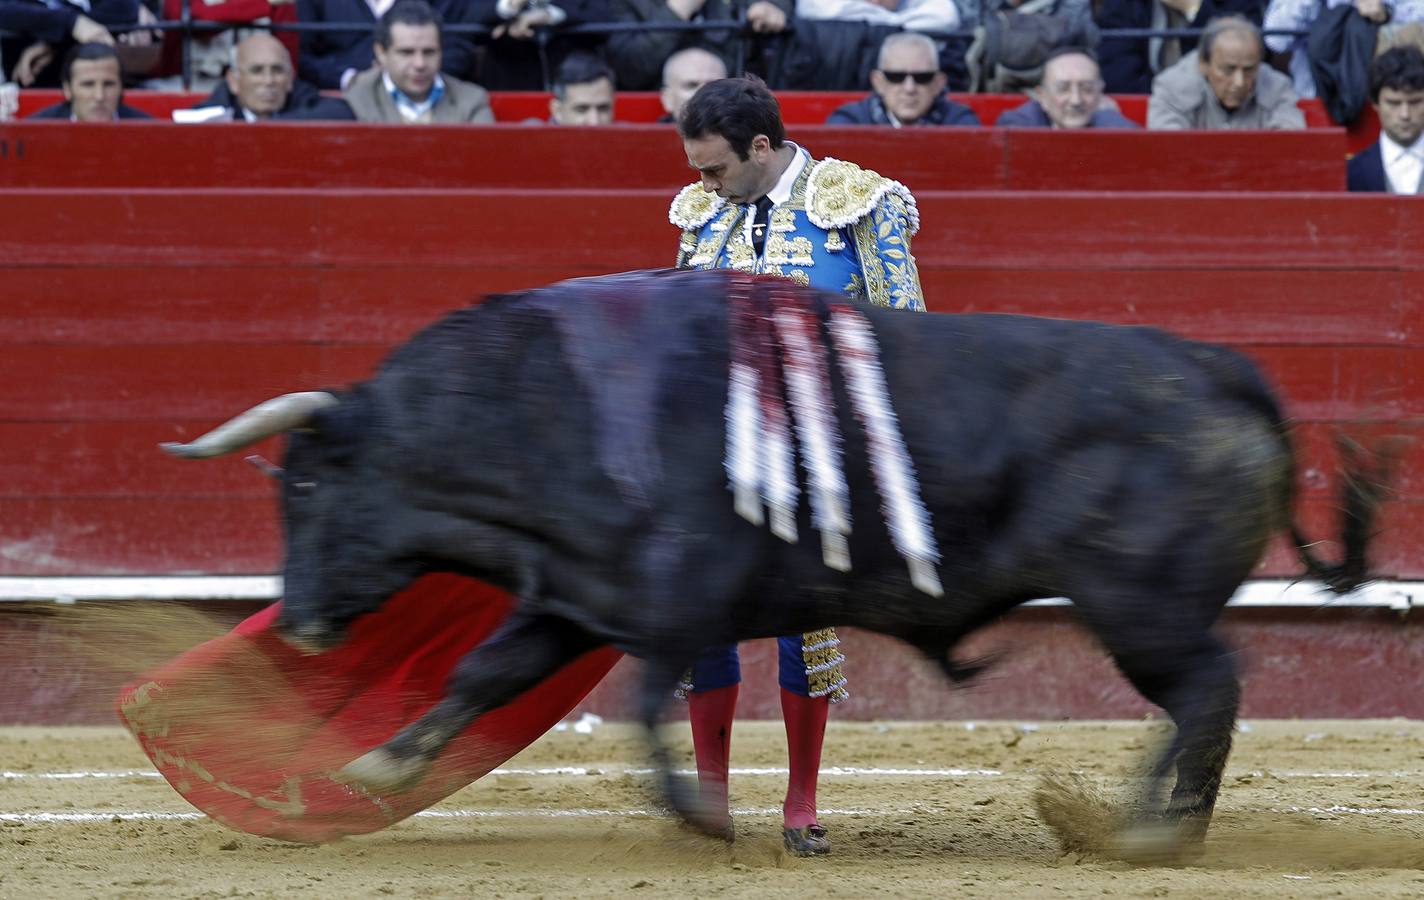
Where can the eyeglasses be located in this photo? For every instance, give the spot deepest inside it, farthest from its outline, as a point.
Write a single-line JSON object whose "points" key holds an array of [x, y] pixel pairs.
{"points": [[898, 77]]}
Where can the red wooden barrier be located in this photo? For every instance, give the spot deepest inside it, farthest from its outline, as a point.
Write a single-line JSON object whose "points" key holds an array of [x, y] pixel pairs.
{"points": [[327, 155], [133, 317]]}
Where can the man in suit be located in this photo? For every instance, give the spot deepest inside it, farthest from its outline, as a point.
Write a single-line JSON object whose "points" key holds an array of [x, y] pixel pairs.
{"points": [[260, 86], [1224, 85], [406, 85], [93, 87], [1070, 96], [583, 92], [331, 59], [1394, 163]]}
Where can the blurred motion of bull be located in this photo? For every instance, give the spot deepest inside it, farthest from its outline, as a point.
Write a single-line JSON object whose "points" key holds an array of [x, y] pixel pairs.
{"points": [[568, 444]]}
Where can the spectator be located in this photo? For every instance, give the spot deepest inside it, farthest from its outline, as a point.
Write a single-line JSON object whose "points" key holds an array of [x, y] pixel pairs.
{"points": [[512, 59], [836, 43], [1071, 96], [583, 92], [330, 59], [1129, 64], [1300, 15], [909, 89], [406, 86], [261, 86], [683, 73], [1394, 163], [637, 56], [1224, 85], [93, 87], [36, 34]]}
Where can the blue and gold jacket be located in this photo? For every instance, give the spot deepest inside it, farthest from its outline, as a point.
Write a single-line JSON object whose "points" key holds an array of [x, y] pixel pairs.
{"points": [[844, 229]]}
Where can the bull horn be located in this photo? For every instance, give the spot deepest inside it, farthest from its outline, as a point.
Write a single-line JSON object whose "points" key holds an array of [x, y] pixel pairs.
{"points": [[263, 420]]}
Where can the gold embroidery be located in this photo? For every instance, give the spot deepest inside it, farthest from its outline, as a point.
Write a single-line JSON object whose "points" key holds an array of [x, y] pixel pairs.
{"points": [[795, 251], [693, 207], [799, 277], [834, 242], [825, 676], [840, 192]]}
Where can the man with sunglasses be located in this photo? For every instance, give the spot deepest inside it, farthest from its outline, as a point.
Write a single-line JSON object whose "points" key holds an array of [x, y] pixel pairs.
{"points": [[909, 89], [763, 204]]}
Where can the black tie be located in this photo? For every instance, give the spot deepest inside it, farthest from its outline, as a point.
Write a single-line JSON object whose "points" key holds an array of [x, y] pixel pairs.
{"points": [[761, 221]]}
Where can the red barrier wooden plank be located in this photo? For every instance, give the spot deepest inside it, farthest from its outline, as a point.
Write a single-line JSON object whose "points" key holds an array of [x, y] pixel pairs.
{"points": [[1337, 383], [150, 382], [1226, 305], [651, 156], [156, 305], [1134, 231], [122, 459], [138, 537], [158, 228], [1090, 160]]}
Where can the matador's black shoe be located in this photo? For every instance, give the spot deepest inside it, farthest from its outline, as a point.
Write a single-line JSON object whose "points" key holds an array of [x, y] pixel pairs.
{"points": [[808, 841]]}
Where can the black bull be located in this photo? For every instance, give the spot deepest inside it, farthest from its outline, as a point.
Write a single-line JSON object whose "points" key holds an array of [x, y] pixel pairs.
{"points": [[568, 444]]}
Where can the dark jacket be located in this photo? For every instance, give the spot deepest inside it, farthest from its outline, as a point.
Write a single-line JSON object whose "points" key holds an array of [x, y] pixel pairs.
{"points": [[1365, 171], [22, 22], [1340, 47], [326, 54], [826, 55], [1031, 115], [63, 110], [1127, 63], [514, 65], [638, 56], [303, 103], [872, 111]]}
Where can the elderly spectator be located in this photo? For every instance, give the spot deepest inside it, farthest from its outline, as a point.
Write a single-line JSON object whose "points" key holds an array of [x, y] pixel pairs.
{"points": [[1070, 96], [93, 87], [1129, 64], [583, 92], [406, 85], [35, 35], [636, 56], [683, 73], [513, 60], [909, 89], [1300, 15], [330, 59], [261, 86], [1224, 85], [1394, 163]]}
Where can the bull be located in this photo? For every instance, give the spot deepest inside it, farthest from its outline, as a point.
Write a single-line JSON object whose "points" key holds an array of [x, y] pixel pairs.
{"points": [[568, 445]]}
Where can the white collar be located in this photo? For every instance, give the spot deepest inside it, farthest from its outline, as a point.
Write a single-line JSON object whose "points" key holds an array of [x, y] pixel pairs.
{"points": [[1392, 151], [781, 192]]}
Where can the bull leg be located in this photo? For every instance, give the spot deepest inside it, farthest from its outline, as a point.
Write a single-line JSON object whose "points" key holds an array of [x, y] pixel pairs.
{"points": [[1193, 678], [522, 653], [679, 794]]}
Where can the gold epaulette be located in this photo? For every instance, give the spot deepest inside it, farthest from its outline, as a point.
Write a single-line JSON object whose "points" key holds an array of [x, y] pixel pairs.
{"points": [[839, 193], [693, 207]]}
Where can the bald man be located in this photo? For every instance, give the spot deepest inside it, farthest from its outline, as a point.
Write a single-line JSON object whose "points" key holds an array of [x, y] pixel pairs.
{"points": [[261, 86], [683, 73]]}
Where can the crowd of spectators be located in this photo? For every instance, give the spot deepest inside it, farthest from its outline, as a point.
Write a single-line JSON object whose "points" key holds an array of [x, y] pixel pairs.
{"points": [[1207, 64]]}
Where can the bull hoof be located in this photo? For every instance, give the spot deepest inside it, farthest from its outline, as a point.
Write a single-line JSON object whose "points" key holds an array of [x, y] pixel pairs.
{"points": [[381, 772], [1160, 843]]}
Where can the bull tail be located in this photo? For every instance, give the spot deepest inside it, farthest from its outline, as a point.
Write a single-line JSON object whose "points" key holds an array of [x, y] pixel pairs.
{"points": [[1366, 479]]}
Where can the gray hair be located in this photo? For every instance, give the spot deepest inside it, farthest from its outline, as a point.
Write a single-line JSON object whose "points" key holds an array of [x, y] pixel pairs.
{"points": [[1221, 25], [907, 39]]}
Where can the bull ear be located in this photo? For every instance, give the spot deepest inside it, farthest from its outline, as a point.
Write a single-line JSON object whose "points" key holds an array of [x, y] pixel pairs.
{"points": [[261, 421]]}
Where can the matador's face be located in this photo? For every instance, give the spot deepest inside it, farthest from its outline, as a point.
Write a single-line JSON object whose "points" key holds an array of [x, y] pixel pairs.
{"points": [[725, 174]]}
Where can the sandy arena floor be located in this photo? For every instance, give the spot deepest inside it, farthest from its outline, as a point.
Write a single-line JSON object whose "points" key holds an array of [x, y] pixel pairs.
{"points": [[1321, 808]]}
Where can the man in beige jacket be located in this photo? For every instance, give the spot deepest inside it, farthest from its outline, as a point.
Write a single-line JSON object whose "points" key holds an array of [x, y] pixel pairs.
{"points": [[1224, 85], [406, 86]]}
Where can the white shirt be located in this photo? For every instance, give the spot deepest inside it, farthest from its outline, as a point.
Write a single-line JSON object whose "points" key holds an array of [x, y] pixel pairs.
{"points": [[915, 15], [409, 109], [781, 192], [1403, 166]]}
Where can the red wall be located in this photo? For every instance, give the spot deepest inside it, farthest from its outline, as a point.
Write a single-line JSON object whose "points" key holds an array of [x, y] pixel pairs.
{"points": [[132, 313]]}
